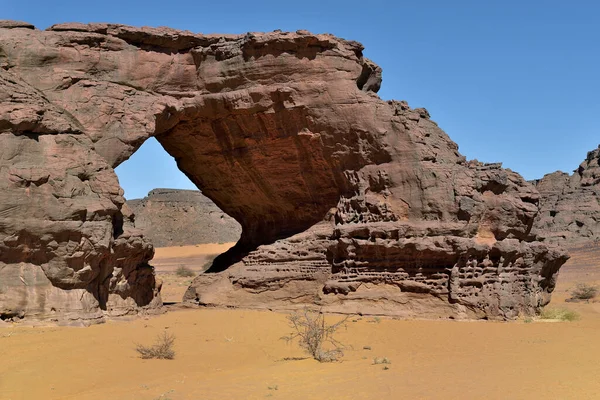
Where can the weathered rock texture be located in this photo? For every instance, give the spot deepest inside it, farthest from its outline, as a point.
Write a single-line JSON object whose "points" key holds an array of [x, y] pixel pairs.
{"points": [[173, 217], [345, 200], [570, 204]]}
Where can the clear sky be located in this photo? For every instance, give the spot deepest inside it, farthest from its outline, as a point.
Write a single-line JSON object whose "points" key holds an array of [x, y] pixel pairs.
{"points": [[511, 81]]}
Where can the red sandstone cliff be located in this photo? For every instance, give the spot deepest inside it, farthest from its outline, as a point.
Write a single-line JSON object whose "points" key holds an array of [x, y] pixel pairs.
{"points": [[570, 204], [345, 200]]}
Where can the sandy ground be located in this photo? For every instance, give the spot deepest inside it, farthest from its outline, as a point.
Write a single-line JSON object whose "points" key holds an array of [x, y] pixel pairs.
{"points": [[195, 258], [237, 354]]}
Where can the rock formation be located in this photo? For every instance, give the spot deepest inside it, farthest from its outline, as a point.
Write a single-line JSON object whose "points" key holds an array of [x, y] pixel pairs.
{"points": [[570, 204], [345, 200], [173, 217]]}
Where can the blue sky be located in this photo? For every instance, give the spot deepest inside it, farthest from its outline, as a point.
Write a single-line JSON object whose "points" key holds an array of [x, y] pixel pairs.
{"points": [[510, 81]]}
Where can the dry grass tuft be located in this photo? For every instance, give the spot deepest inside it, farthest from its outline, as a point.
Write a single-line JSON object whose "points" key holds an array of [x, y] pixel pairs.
{"points": [[162, 349], [313, 333], [560, 314]]}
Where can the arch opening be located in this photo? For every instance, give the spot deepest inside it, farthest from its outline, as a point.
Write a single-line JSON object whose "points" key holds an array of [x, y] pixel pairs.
{"points": [[268, 170], [186, 228]]}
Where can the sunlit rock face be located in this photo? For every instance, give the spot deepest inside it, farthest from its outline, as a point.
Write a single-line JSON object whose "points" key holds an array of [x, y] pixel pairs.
{"points": [[345, 201], [570, 204]]}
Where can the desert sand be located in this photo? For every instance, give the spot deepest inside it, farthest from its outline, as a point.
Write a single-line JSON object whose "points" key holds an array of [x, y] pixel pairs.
{"points": [[238, 354], [196, 258]]}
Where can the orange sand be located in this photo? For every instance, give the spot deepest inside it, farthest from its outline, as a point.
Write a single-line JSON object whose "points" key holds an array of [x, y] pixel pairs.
{"points": [[237, 354], [190, 251], [196, 258]]}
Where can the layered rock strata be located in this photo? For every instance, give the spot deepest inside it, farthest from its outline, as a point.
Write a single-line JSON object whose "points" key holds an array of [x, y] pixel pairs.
{"points": [[345, 201], [570, 204], [174, 217]]}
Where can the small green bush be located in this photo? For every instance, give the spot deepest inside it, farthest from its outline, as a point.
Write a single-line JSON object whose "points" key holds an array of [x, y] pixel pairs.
{"points": [[560, 314]]}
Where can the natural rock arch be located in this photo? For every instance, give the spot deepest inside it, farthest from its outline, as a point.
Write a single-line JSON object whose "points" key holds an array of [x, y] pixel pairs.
{"points": [[345, 200]]}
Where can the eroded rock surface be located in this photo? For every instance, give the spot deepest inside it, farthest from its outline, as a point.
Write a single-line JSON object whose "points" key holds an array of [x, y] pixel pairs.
{"points": [[570, 204], [66, 253], [173, 217], [345, 200]]}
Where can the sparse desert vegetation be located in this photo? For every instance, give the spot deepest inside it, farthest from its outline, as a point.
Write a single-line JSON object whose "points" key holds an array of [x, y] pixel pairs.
{"points": [[184, 272], [162, 349], [584, 291], [381, 360], [262, 366], [560, 314], [314, 334]]}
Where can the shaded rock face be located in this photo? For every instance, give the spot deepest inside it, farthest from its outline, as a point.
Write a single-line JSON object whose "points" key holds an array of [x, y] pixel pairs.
{"points": [[570, 204], [345, 201], [173, 217]]}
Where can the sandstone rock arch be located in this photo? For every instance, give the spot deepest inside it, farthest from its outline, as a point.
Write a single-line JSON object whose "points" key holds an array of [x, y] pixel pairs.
{"points": [[344, 199]]}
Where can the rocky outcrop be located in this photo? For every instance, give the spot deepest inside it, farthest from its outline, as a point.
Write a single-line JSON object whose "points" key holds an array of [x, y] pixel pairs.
{"points": [[344, 200], [570, 204], [66, 251], [174, 217]]}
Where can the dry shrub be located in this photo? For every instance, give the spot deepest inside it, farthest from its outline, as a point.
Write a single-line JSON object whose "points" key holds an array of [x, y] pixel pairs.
{"points": [[313, 333], [560, 314], [583, 291], [381, 360], [184, 271], [162, 349]]}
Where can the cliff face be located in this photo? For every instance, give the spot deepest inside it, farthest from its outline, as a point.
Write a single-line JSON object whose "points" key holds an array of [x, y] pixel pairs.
{"points": [[172, 217], [344, 200], [570, 204]]}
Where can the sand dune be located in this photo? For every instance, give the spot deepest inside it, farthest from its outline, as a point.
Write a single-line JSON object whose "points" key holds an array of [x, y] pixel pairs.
{"points": [[238, 354]]}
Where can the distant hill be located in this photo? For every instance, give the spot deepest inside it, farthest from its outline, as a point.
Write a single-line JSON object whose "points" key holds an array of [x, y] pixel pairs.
{"points": [[173, 217]]}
